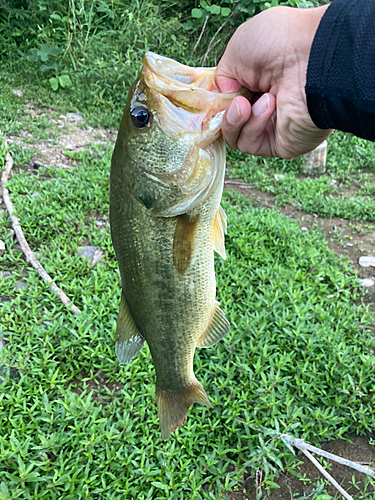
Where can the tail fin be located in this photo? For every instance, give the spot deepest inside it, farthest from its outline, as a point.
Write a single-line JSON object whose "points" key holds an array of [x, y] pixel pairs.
{"points": [[173, 406]]}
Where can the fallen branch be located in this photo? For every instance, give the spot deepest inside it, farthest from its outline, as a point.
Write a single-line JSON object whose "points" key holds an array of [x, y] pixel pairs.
{"points": [[244, 185], [306, 448], [22, 240]]}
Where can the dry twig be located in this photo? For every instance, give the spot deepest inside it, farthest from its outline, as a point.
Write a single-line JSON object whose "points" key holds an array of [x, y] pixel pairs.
{"points": [[244, 185], [22, 240], [210, 45], [201, 34]]}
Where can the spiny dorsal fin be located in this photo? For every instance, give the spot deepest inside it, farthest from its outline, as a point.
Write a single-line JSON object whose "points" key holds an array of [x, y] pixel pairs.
{"points": [[217, 329], [128, 339], [184, 242], [219, 229], [173, 406]]}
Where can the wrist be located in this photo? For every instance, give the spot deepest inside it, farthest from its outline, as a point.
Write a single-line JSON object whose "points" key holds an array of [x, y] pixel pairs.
{"points": [[312, 20]]}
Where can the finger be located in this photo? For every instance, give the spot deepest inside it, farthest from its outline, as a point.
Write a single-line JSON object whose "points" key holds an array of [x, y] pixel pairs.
{"points": [[224, 77], [234, 119], [227, 84], [257, 135]]}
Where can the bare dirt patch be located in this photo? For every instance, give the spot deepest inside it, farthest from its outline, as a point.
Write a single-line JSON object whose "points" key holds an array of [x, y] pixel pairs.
{"points": [[65, 133], [291, 487], [302, 485], [97, 384]]}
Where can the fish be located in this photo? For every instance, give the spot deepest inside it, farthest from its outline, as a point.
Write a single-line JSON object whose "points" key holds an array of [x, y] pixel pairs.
{"points": [[166, 183]]}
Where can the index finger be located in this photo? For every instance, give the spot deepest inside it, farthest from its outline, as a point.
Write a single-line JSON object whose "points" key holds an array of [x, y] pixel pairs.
{"points": [[226, 84], [224, 77]]}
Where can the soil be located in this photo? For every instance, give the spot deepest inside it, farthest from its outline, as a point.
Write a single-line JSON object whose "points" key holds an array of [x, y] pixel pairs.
{"points": [[342, 237], [97, 385]]}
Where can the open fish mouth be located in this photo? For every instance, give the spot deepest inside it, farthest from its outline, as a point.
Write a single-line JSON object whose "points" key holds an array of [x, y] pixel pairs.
{"points": [[189, 88]]}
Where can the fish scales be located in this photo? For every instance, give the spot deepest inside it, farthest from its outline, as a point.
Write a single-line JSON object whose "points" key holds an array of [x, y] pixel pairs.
{"points": [[166, 183]]}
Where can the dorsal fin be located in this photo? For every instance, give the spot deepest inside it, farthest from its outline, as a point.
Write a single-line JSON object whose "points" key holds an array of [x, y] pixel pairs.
{"points": [[219, 229], [128, 339], [216, 330]]}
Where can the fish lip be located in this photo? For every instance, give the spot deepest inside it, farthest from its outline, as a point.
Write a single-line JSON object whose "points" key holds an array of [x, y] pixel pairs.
{"points": [[150, 61], [194, 93]]}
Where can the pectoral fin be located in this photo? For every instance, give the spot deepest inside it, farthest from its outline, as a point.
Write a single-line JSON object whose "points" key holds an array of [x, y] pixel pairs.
{"points": [[128, 339], [219, 229], [184, 242], [217, 329]]}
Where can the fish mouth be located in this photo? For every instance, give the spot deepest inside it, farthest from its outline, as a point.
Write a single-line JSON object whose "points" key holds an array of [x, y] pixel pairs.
{"points": [[192, 89]]}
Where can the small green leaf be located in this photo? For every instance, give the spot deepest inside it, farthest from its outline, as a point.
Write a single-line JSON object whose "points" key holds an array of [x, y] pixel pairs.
{"points": [[33, 477], [215, 9], [4, 490], [48, 50], [197, 13], [225, 12], [54, 50], [33, 55], [160, 485], [65, 81], [187, 26], [54, 83]]}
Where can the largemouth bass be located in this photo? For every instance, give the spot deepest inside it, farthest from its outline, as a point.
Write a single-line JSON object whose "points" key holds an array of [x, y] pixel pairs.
{"points": [[166, 183]]}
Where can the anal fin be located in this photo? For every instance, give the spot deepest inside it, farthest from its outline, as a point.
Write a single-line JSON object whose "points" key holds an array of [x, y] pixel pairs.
{"points": [[128, 339], [216, 330], [218, 231]]}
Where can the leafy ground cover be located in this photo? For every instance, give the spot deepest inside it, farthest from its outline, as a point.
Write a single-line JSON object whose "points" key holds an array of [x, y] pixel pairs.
{"points": [[300, 356], [346, 189], [75, 424]]}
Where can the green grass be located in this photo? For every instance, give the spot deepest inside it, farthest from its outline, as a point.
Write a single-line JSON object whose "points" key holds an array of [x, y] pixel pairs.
{"points": [[101, 46], [346, 190], [298, 358]]}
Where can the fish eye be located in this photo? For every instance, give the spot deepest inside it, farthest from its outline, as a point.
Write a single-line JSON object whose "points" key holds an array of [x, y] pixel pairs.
{"points": [[140, 117]]}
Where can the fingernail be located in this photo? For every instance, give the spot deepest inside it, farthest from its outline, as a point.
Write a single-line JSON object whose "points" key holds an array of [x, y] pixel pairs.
{"points": [[261, 105], [234, 114]]}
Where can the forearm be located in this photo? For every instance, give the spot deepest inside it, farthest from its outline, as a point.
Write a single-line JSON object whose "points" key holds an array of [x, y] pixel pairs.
{"points": [[340, 86]]}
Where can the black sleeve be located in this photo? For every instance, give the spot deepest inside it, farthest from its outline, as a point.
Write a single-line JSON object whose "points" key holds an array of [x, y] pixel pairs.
{"points": [[340, 85]]}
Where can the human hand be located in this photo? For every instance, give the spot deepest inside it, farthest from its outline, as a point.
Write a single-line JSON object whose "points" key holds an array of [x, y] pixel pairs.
{"points": [[269, 55]]}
